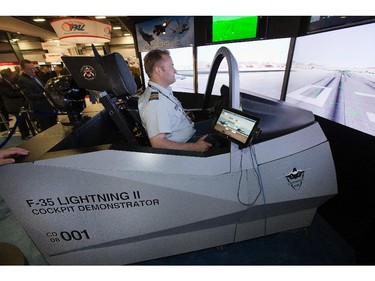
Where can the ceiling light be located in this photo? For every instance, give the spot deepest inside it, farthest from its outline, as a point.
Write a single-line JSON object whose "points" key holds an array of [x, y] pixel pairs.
{"points": [[116, 27], [127, 34], [100, 17], [39, 20]]}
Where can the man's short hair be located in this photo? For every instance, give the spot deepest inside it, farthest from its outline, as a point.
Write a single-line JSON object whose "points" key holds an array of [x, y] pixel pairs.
{"points": [[23, 63], [154, 59], [6, 73]]}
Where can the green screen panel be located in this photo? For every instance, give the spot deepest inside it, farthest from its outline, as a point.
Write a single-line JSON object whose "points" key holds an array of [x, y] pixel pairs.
{"points": [[231, 28]]}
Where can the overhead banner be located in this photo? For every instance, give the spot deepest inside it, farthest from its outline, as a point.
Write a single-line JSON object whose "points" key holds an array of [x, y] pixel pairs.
{"points": [[53, 57], [57, 45], [79, 30], [165, 33]]}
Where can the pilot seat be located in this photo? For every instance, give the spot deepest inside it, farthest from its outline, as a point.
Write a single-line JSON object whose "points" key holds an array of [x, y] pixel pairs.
{"points": [[121, 102]]}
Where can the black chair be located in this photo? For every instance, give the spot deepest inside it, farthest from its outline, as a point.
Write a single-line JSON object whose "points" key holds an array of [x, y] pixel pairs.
{"points": [[120, 102]]}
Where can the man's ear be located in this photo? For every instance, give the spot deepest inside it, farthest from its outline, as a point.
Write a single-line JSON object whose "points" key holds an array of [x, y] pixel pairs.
{"points": [[158, 70]]}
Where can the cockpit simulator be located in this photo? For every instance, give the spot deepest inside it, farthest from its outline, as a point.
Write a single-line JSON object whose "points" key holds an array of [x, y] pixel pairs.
{"points": [[97, 193]]}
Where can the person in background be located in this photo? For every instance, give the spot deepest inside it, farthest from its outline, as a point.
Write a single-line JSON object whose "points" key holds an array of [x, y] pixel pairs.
{"points": [[162, 115], [4, 116], [64, 70], [3, 111], [18, 72], [56, 70], [14, 100], [137, 77], [33, 89], [44, 74], [7, 155]]}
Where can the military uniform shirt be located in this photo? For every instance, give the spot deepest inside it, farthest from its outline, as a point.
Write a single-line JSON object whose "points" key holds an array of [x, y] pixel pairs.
{"points": [[162, 113]]}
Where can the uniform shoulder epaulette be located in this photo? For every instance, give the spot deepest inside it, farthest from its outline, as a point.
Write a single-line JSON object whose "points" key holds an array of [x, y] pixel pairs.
{"points": [[154, 96]]}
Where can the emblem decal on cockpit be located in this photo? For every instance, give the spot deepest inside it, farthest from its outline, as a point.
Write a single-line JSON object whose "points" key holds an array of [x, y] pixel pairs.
{"points": [[295, 178], [88, 72]]}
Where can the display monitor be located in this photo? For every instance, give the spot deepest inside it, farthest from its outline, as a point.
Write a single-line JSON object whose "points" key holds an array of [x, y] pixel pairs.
{"points": [[233, 28], [261, 66], [236, 126], [333, 75], [321, 23]]}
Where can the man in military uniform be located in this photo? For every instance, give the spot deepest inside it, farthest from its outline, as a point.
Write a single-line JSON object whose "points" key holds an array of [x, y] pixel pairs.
{"points": [[161, 113]]}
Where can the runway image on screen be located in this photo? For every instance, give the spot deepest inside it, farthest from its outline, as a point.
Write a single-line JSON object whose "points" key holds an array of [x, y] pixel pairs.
{"points": [[261, 67], [333, 75]]}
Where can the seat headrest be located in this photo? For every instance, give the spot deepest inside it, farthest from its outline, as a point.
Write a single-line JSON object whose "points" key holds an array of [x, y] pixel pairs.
{"points": [[118, 74]]}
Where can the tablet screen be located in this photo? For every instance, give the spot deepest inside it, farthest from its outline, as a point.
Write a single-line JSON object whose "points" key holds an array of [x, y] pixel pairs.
{"points": [[236, 126]]}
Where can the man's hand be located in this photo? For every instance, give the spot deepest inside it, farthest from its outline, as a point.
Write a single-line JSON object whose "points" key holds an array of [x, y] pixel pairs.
{"points": [[6, 154], [202, 145], [159, 141]]}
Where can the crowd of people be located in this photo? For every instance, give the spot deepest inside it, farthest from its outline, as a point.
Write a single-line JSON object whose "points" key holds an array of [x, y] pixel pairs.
{"points": [[23, 89]]}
